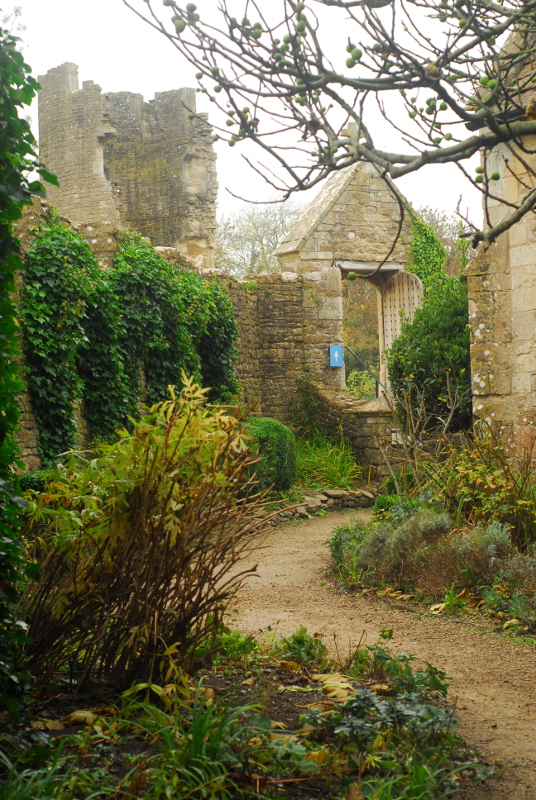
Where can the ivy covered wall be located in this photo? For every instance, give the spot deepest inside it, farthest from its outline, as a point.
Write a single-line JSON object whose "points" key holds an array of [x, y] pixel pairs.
{"points": [[111, 337]]}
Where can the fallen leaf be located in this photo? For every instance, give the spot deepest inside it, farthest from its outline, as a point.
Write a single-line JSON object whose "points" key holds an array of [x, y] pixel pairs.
{"points": [[37, 725], [82, 717], [53, 725], [289, 666], [322, 705], [336, 691], [465, 594], [257, 741], [318, 756], [328, 677], [248, 682], [287, 737], [380, 688], [437, 608], [510, 623], [406, 597], [306, 729], [280, 725], [208, 694], [354, 792]]}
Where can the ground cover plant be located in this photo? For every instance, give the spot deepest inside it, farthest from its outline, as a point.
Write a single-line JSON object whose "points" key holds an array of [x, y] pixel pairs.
{"points": [[257, 725]]}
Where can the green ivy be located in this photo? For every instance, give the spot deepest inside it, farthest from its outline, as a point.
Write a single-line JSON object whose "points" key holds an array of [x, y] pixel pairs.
{"points": [[172, 321], [91, 333], [18, 160], [216, 346], [426, 253], [58, 275], [153, 313], [100, 361]]}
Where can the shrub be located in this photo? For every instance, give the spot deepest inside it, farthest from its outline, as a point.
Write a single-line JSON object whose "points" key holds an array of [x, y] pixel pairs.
{"points": [[419, 548], [302, 648], [275, 444], [429, 363], [322, 462], [34, 480], [361, 384], [479, 481], [137, 546]]}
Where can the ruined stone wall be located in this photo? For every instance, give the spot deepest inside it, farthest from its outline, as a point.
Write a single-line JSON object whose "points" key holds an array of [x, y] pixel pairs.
{"points": [[130, 163], [73, 126], [502, 313]]}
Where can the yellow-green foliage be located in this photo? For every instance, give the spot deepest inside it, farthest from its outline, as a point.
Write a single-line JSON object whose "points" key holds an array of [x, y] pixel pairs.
{"points": [[136, 546]]}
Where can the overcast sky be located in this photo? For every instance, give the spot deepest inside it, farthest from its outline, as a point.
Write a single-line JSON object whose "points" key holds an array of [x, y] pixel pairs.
{"points": [[121, 53]]}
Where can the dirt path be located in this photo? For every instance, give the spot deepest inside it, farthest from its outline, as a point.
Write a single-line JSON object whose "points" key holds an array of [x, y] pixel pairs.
{"points": [[493, 680]]}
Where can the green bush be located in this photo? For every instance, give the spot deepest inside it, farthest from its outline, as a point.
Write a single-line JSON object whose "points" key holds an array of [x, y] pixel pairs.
{"points": [[416, 545], [428, 363], [479, 481], [276, 446], [34, 480]]}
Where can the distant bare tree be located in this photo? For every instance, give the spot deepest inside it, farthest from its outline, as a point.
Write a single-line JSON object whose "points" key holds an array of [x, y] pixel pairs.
{"points": [[246, 240]]}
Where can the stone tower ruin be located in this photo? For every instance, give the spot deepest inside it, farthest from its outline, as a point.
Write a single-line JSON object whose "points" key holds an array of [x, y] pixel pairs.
{"points": [[141, 165]]}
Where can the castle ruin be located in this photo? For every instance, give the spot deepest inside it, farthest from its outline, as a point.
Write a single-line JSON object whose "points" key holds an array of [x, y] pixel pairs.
{"points": [[133, 164]]}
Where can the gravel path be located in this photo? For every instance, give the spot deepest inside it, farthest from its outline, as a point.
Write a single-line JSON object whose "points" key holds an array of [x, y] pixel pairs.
{"points": [[493, 680]]}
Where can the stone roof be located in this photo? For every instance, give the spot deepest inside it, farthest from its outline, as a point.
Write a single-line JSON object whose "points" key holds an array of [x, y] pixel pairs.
{"points": [[313, 215]]}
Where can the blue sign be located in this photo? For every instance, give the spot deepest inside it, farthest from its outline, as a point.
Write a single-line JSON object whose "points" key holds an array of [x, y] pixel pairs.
{"points": [[336, 358]]}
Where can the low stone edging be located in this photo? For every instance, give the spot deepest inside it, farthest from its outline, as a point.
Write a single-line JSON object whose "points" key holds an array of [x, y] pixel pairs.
{"points": [[328, 500]]}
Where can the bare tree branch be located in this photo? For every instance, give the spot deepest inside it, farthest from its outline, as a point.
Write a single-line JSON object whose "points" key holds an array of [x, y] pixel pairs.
{"points": [[451, 77]]}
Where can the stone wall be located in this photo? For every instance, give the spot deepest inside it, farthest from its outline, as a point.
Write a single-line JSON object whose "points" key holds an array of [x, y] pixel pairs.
{"points": [[502, 311], [130, 163], [285, 329], [363, 423]]}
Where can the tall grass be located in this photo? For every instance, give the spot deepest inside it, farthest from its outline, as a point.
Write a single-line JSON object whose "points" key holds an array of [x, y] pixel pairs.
{"points": [[322, 462]]}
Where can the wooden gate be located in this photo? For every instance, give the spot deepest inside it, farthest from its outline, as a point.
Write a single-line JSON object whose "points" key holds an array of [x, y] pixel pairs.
{"points": [[402, 292]]}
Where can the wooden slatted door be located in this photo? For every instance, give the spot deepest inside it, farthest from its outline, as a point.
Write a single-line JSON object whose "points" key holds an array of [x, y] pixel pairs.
{"points": [[402, 292]]}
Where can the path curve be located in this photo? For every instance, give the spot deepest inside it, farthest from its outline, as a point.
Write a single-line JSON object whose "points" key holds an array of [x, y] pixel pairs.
{"points": [[494, 680]]}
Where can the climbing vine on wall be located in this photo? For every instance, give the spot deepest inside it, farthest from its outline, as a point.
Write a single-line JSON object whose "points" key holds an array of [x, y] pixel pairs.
{"points": [[153, 317], [426, 253], [217, 346], [59, 268], [100, 361], [91, 333], [172, 320]]}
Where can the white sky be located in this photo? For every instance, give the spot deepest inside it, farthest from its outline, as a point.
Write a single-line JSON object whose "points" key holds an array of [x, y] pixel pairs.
{"points": [[121, 53]]}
